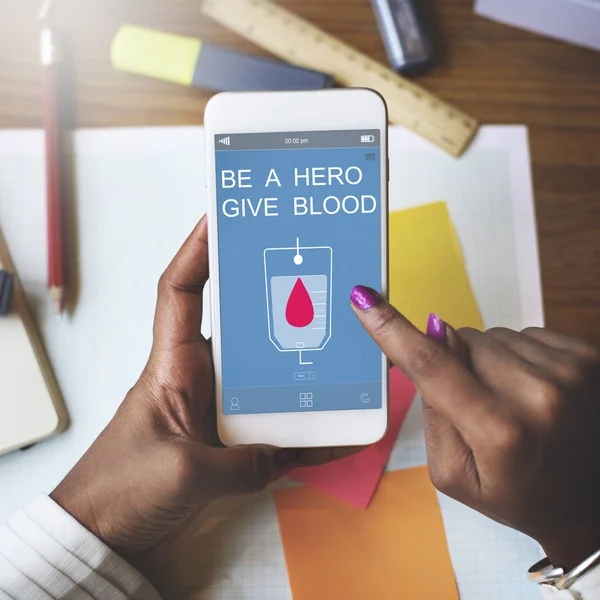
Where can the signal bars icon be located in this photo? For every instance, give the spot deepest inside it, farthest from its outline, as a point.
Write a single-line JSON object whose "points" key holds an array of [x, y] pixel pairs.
{"points": [[225, 141]]}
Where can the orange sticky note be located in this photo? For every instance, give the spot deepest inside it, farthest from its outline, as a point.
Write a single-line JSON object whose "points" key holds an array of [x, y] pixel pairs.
{"points": [[395, 549]]}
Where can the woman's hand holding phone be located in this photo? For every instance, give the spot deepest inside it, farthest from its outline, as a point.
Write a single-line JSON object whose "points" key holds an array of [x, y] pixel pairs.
{"points": [[159, 461], [512, 422]]}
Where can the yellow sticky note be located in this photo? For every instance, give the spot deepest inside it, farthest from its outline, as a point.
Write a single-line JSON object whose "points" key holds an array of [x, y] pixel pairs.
{"points": [[155, 54], [427, 268], [395, 549]]}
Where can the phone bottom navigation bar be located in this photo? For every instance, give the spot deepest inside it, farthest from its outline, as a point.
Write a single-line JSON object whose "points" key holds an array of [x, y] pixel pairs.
{"points": [[302, 398]]}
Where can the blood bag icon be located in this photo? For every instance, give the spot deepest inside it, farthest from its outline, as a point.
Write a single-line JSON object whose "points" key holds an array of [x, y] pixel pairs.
{"points": [[298, 283]]}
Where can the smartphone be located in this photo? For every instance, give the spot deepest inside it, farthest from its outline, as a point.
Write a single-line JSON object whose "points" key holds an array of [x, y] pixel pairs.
{"points": [[297, 185]]}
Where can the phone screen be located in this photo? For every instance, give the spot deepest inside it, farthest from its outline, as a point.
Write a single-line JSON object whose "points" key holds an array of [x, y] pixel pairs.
{"points": [[299, 225]]}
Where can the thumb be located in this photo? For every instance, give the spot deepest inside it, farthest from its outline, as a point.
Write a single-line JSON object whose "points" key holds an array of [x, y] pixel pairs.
{"points": [[179, 308], [245, 469]]}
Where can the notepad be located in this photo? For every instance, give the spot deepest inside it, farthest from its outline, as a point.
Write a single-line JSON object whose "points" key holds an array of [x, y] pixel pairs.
{"points": [[395, 549], [31, 407]]}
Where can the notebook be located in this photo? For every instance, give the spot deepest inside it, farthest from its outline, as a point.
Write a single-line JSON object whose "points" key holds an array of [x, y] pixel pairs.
{"points": [[31, 407]]}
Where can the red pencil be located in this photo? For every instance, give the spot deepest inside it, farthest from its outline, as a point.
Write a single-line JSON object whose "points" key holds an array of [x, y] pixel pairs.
{"points": [[56, 270]]}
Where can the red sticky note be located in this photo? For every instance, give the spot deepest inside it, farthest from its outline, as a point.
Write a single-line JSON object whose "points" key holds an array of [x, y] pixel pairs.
{"points": [[354, 479]]}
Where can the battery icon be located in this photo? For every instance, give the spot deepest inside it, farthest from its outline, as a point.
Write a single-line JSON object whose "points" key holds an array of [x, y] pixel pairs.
{"points": [[367, 139]]}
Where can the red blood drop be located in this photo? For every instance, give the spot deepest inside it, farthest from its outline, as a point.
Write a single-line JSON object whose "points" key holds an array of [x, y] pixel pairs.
{"points": [[299, 311]]}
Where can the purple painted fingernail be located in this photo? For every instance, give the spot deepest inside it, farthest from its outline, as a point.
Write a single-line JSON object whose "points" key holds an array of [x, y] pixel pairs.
{"points": [[436, 329], [364, 298]]}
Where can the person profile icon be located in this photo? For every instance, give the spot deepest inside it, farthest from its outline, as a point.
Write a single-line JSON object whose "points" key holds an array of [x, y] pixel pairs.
{"points": [[235, 404]]}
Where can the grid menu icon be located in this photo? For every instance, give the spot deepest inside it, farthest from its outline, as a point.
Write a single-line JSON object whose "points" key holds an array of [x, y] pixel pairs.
{"points": [[306, 400]]}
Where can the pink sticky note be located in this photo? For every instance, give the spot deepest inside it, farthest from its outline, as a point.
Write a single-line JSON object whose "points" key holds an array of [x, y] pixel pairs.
{"points": [[354, 479]]}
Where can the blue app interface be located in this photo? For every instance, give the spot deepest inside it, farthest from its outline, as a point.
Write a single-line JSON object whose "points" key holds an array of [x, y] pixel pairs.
{"points": [[299, 225]]}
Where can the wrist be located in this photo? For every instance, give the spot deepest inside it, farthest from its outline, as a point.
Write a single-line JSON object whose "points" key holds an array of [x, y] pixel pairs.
{"points": [[569, 549], [71, 499], [110, 522]]}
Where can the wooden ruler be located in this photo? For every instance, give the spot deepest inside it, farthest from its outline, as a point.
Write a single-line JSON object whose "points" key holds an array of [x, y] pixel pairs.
{"points": [[295, 40]]}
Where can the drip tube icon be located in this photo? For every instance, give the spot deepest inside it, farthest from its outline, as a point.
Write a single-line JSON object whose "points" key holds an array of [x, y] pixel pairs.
{"points": [[298, 283]]}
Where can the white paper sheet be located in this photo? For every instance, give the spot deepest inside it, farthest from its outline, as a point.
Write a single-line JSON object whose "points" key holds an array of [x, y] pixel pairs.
{"points": [[138, 194], [575, 21]]}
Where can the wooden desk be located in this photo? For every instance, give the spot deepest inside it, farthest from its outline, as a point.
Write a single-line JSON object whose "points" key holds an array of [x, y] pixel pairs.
{"points": [[499, 74]]}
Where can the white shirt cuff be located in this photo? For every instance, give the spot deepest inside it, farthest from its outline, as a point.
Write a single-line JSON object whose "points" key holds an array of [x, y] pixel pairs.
{"points": [[45, 554]]}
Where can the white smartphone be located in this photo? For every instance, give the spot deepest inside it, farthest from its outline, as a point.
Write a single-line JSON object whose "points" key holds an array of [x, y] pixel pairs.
{"points": [[297, 185]]}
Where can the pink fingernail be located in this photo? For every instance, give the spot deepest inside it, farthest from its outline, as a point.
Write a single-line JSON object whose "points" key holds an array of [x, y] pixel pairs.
{"points": [[364, 298], [436, 329]]}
